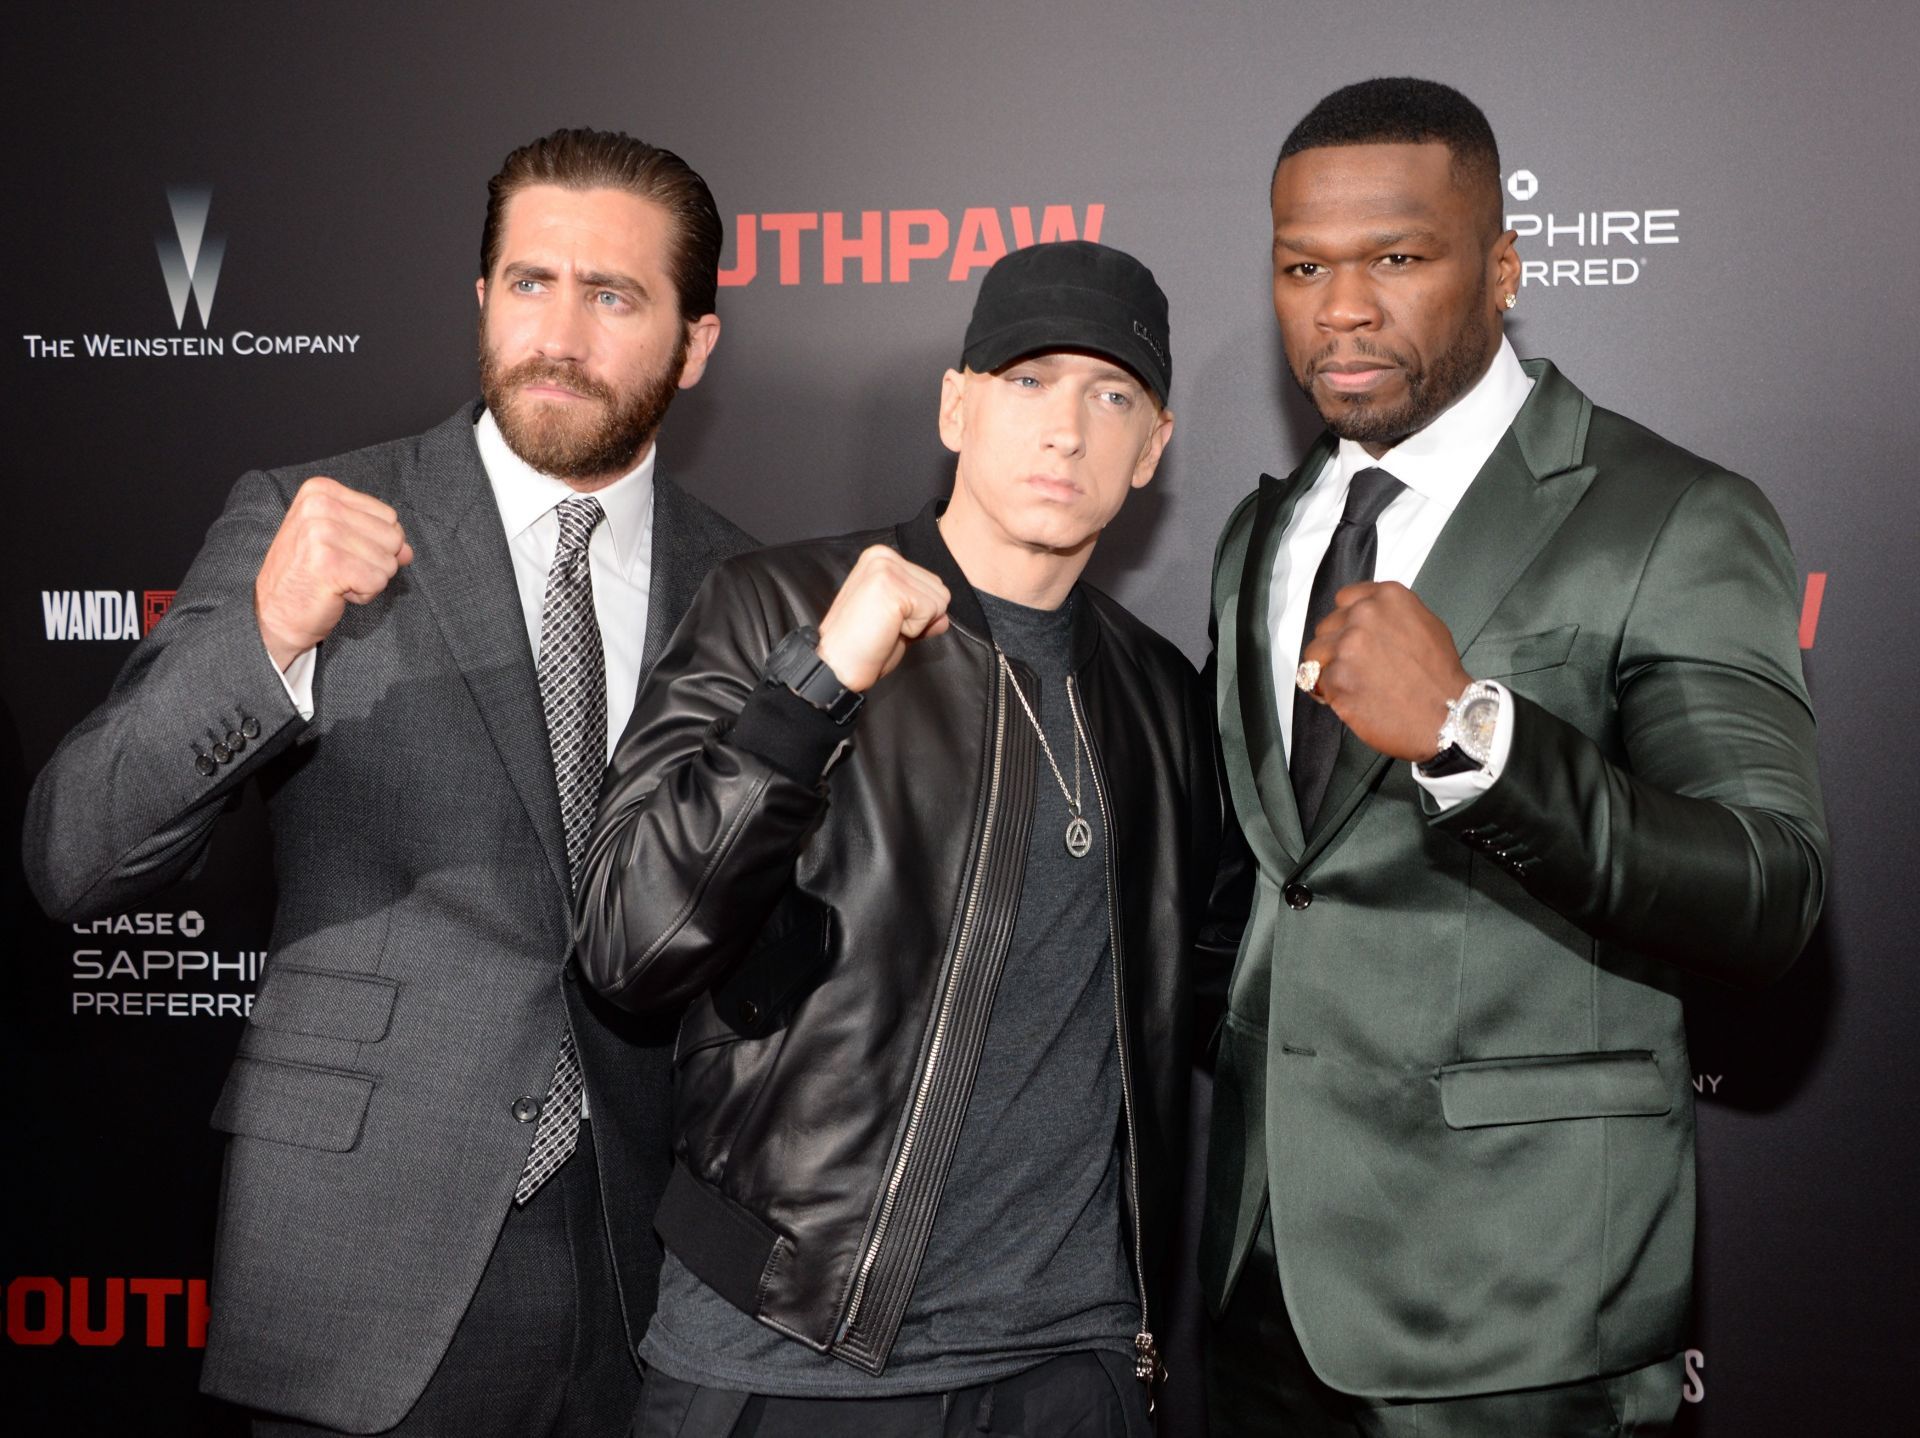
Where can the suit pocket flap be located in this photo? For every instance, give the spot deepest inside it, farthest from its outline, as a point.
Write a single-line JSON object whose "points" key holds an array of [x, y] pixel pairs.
{"points": [[285, 1103], [324, 1003], [1496, 655], [1559, 1086]]}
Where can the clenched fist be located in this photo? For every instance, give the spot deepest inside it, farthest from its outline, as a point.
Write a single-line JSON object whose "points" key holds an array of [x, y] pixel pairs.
{"points": [[336, 546], [885, 604], [1388, 668]]}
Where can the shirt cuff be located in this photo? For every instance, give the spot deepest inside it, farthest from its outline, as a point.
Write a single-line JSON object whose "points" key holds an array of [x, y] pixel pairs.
{"points": [[297, 680], [1451, 789]]}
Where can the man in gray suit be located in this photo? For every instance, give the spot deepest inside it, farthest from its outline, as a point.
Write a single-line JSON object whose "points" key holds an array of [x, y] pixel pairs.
{"points": [[424, 653]]}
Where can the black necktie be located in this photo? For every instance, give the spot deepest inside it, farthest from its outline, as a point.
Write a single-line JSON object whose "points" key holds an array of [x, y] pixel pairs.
{"points": [[573, 691], [1349, 560]]}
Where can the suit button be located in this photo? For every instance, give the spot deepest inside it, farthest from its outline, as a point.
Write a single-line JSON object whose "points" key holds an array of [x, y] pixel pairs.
{"points": [[236, 741], [1298, 896], [250, 728], [222, 753], [526, 1108], [749, 1012], [204, 766]]}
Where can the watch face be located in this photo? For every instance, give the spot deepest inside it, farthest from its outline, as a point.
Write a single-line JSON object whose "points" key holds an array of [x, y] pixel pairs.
{"points": [[1477, 720]]}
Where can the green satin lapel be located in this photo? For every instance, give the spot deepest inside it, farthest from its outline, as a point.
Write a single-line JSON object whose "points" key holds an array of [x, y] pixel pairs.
{"points": [[1253, 650], [1512, 508]]}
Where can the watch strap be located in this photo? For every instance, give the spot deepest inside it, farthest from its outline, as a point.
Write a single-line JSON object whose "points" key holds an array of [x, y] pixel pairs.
{"points": [[795, 665], [1450, 760], [1455, 757]]}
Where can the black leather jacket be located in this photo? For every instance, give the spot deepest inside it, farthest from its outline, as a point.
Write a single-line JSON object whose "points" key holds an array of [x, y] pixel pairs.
{"points": [[832, 906]]}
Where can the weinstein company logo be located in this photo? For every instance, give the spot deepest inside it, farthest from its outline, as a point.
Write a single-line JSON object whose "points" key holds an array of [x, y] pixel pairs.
{"points": [[190, 257], [190, 261]]}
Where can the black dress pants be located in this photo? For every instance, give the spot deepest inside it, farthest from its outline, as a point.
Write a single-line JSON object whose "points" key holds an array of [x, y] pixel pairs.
{"points": [[541, 1350], [1079, 1395]]}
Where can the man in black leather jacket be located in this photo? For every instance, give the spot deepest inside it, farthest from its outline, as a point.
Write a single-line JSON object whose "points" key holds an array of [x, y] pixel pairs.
{"points": [[924, 880]]}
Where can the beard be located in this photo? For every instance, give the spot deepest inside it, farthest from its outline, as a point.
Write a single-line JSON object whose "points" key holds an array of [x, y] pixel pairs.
{"points": [[1367, 420], [571, 443]]}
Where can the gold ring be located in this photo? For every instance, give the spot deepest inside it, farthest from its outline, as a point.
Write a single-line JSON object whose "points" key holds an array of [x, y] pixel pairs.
{"points": [[1307, 676]]}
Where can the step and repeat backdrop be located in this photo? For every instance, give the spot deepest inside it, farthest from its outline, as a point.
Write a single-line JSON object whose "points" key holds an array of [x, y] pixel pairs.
{"points": [[246, 235]]}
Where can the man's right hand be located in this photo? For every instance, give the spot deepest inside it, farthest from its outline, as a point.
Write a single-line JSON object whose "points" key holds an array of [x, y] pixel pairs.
{"points": [[336, 546], [885, 604]]}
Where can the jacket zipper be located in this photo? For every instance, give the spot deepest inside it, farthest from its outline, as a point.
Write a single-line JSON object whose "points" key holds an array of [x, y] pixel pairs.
{"points": [[947, 998], [1147, 1366]]}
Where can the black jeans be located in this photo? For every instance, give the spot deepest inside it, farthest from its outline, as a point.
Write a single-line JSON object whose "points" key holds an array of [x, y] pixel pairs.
{"points": [[1079, 1395]]}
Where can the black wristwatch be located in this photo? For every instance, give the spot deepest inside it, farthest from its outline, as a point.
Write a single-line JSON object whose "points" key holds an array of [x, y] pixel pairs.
{"points": [[794, 665]]}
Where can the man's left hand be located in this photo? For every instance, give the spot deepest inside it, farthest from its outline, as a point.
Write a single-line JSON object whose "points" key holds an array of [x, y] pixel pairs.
{"points": [[1388, 668]]}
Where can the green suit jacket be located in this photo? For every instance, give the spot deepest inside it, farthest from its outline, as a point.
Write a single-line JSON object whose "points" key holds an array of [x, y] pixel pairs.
{"points": [[1453, 1057]]}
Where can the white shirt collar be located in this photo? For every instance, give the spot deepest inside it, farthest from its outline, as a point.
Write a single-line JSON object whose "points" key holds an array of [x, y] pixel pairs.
{"points": [[525, 495], [1440, 461]]}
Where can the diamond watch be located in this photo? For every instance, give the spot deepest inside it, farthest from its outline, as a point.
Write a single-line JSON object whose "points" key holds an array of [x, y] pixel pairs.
{"points": [[1466, 739], [795, 665]]}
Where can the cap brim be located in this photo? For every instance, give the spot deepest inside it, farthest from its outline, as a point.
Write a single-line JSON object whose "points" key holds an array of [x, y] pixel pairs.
{"points": [[1042, 334]]}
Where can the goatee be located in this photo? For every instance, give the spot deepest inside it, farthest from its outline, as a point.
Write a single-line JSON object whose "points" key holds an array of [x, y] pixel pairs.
{"points": [[577, 442], [1430, 391]]}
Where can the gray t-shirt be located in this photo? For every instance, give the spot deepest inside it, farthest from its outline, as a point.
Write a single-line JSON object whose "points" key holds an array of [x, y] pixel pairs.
{"points": [[1027, 1257]]}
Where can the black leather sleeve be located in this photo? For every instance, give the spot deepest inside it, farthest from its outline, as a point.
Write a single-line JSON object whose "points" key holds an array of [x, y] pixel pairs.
{"points": [[698, 831], [1226, 885]]}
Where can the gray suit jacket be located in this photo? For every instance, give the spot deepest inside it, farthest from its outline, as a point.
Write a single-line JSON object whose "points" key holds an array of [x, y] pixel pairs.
{"points": [[419, 981]]}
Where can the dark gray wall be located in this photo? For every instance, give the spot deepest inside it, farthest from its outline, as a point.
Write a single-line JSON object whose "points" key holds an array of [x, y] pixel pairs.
{"points": [[346, 148]]}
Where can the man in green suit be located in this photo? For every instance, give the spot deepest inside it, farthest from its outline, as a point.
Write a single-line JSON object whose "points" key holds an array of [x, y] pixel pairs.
{"points": [[1511, 702]]}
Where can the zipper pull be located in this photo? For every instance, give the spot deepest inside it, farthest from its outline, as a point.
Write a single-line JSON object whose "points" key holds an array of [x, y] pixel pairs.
{"points": [[1147, 1366]]}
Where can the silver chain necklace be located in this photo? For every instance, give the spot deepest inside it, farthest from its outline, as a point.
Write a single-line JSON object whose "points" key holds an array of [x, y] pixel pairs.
{"points": [[1079, 831]]}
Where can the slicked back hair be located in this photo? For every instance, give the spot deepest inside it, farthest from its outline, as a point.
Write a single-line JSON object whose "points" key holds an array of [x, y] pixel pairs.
{"points": [[609, 160], [1407, 111]]}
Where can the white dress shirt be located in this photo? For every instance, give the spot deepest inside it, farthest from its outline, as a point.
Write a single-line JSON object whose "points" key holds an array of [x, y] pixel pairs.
{"points": [[619, 556], [1436, 465]]}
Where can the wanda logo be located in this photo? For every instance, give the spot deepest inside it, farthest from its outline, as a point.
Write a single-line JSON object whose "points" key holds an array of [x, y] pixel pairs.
{"points": [[154, 604]]}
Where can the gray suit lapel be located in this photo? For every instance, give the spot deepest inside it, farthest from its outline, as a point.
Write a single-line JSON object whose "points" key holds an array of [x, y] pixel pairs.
{"points": [[1513, 507], [682, 556], [462, 566], [1259, 703]]}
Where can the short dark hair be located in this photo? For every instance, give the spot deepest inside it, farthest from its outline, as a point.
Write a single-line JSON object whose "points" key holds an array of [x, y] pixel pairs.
{"points": [[609, 160], [1405, 111]]}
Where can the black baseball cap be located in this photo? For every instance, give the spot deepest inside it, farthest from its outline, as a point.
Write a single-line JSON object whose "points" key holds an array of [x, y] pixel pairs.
{"points": [[1072, 295]]}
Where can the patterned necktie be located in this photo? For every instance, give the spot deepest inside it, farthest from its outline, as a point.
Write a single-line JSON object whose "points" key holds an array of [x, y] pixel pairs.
{"points": [[1349, 559], [573, 692]]}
